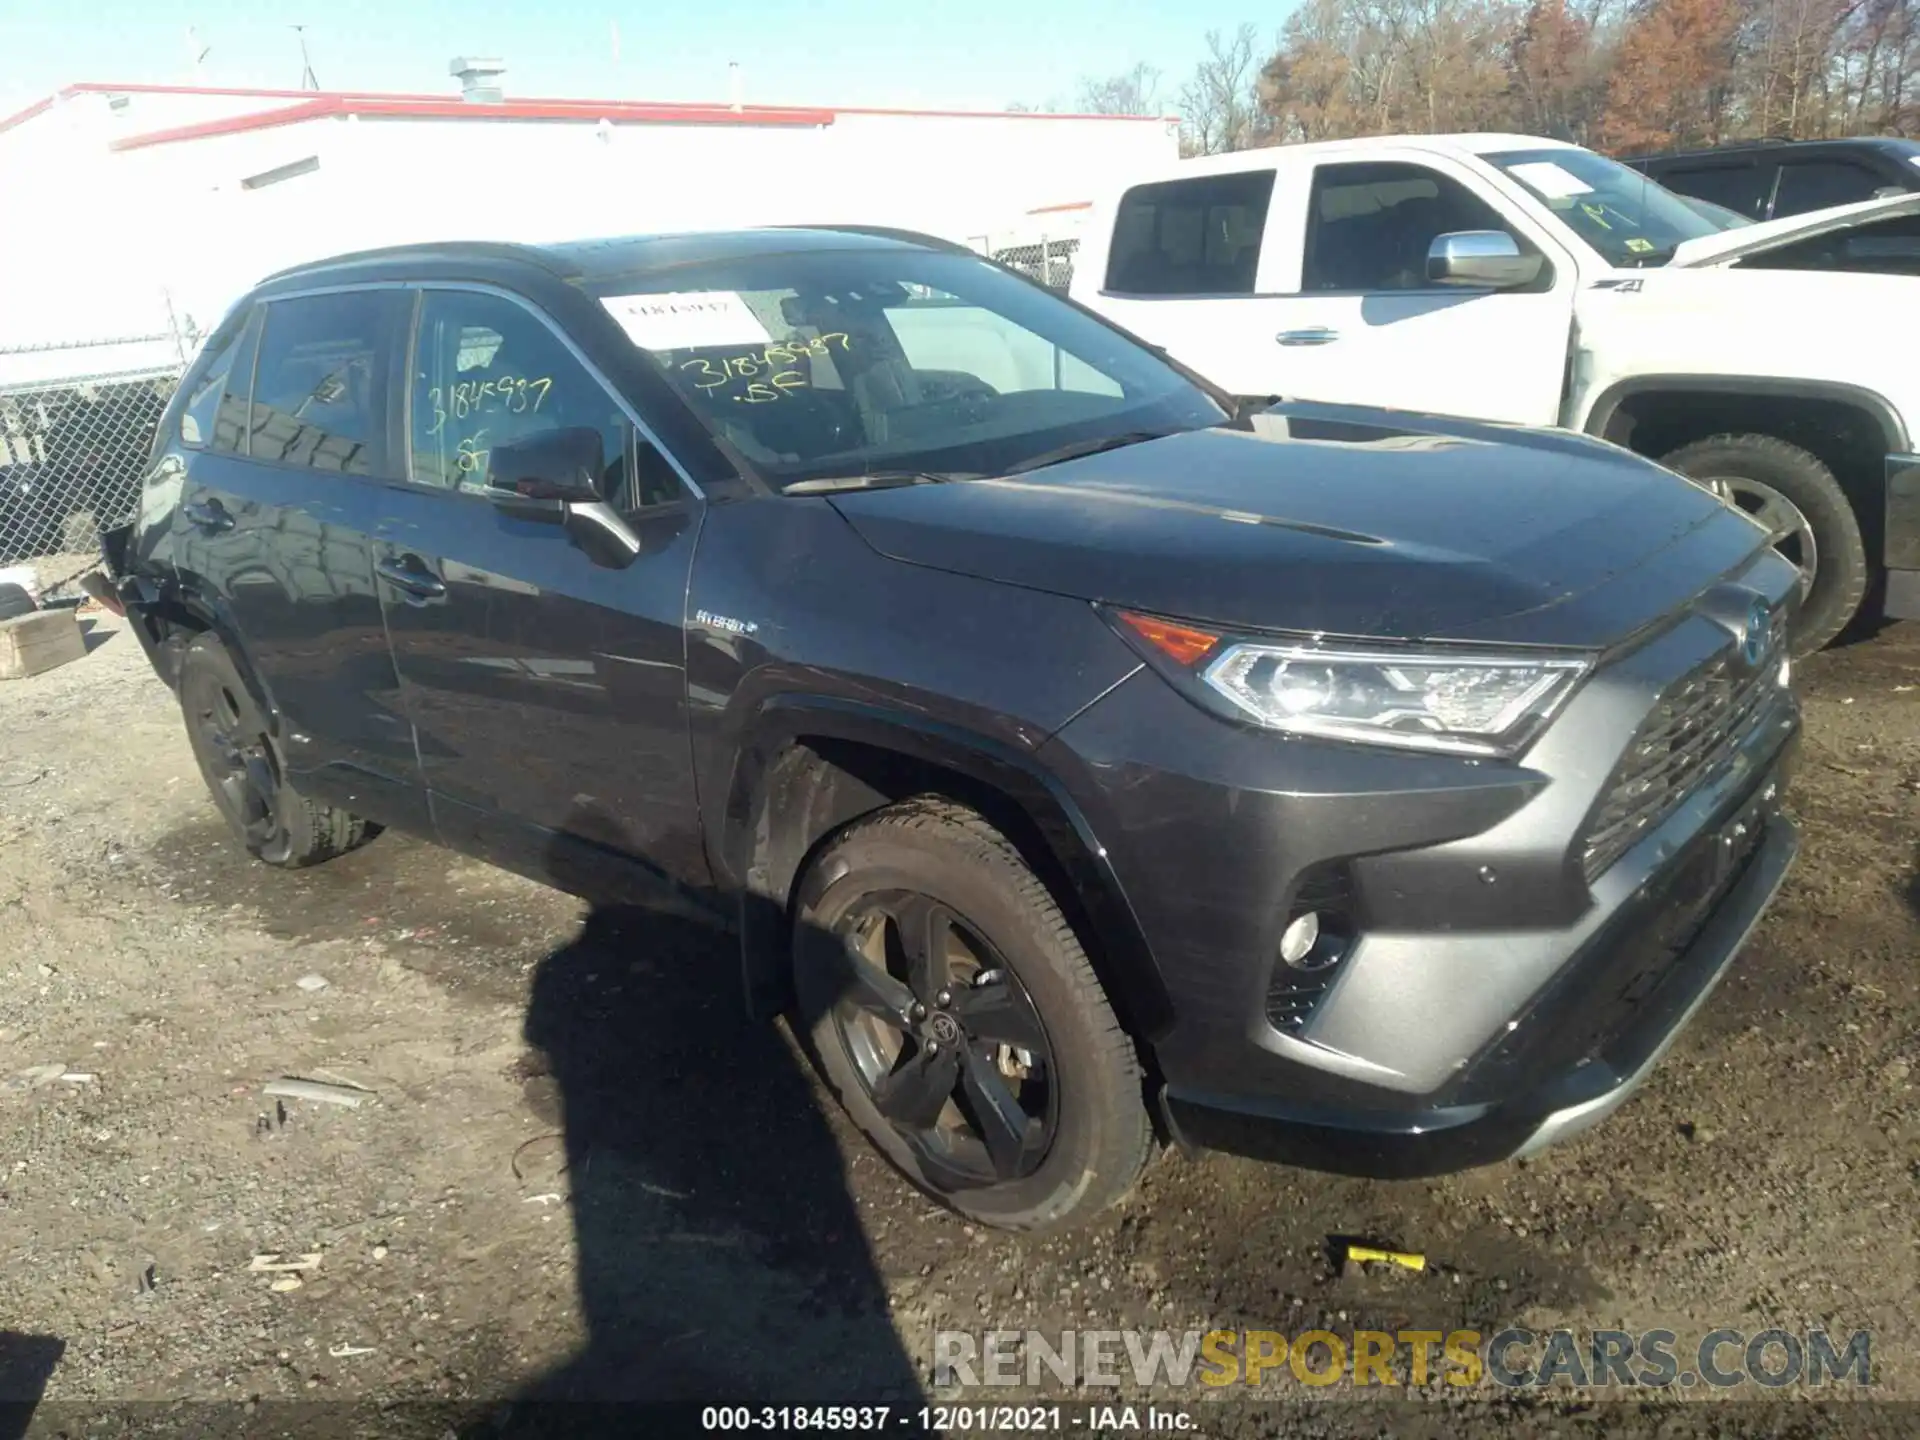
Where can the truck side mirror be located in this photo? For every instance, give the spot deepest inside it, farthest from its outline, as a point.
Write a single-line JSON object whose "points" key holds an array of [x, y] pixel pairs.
{"points": [[1487, 259]]}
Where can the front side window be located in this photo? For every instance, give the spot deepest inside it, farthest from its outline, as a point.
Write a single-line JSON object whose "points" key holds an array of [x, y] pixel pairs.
{"points": [[1630, 219], [320, 386], [827, 363], [1369, 227], [488, 371], [1190, 237], [1817, 184], [1743, 189]]}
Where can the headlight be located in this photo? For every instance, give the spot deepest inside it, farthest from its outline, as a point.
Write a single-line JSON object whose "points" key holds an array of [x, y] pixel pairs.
{"points": [[1420, 698]]}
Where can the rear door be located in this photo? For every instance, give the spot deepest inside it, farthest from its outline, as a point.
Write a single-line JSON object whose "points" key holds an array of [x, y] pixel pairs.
{"points": [[289, 449], [1354, 319], [548, 691], [1182, 272]]}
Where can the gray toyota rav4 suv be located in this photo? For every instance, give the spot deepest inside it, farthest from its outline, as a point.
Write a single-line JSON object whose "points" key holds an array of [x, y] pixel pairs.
{"points": [[1083, 758]]}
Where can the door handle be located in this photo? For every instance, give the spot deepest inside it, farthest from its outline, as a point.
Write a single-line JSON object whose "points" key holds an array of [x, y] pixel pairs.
{"points": [[209, 515], [411, 575], [1316, 335]]}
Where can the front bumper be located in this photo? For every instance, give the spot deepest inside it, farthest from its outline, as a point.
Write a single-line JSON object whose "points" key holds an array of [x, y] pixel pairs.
{"points": [[1902, 547], [1503, 988], [1720, 885]]}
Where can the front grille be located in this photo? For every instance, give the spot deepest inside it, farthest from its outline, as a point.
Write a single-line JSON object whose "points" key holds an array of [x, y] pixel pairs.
{"points": [[1693, 732], [1599, 1005]]}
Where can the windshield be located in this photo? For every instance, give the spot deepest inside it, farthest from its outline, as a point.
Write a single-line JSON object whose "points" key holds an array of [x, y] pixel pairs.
{"points": [[1631, 220], [825, 363]]}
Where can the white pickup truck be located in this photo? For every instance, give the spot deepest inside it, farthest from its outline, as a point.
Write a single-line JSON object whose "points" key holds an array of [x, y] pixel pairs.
{"points": [[1511, 278]]}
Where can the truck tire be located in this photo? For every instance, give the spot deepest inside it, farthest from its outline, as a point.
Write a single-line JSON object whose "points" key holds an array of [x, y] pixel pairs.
{"points": [[228, 735], [1794, 495], [948, 1005], [15, 602]]}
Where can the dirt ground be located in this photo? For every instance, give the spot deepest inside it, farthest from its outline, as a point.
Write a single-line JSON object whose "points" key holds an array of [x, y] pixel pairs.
{"points": [[578, 1170]]}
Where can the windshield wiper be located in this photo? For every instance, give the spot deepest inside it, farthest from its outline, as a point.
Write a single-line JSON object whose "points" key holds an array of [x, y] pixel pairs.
{"points": [[875, 480], [1079, 448]]}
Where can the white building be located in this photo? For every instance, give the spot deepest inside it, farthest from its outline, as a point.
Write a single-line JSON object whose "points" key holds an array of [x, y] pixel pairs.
{"points": [[133, 205]]}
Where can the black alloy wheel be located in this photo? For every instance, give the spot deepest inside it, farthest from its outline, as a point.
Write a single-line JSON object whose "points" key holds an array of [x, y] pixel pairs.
{"points": [[945, 1040]]}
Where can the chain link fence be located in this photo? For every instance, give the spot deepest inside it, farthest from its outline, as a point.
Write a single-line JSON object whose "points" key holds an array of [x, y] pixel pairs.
{"points": [[76, 427], [1046, 260]]}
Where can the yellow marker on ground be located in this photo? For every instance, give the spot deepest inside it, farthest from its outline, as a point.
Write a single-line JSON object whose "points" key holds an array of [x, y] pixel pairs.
{"points": [[1361, 1255]]}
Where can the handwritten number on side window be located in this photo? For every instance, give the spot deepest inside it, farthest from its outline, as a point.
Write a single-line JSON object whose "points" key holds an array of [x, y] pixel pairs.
{"points": [[513, 394]]}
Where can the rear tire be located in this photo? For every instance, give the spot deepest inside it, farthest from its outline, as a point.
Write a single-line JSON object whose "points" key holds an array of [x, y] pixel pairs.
{"points": [[1794, 494], [231, 743], [1038, 1120]]}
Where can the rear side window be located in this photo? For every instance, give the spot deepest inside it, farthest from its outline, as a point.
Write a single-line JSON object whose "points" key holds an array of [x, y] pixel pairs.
{"points": [[1815, 184], [1369, 227], [215, 416], [1190, 237], [320, 386], [1743, 189]]}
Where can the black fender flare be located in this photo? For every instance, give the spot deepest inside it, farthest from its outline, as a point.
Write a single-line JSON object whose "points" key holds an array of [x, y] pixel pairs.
{"points": [[1892, 428], [212, 616], [762, 869]]}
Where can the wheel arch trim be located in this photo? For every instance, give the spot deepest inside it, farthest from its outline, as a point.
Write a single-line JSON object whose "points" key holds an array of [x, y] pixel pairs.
{"points": [[1606, 405], [763, 865], [215, 619]]}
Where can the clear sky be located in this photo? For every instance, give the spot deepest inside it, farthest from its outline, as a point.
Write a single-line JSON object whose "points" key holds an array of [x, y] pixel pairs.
{"points": [[980, 53]]}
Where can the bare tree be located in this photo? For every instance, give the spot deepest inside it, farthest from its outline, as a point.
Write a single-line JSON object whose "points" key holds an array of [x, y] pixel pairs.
{"points": [[1132, 92], [1220, 103], [1627, 74]]}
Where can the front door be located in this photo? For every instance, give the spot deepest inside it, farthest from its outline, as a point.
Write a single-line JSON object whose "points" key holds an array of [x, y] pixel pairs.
{"points": [[548, 691], [289, 443], [1358, 322]]}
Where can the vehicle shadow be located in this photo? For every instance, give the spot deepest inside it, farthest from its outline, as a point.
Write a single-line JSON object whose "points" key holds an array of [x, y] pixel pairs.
{"points": [[720, 1256], [94, 634], [26, 1364]]}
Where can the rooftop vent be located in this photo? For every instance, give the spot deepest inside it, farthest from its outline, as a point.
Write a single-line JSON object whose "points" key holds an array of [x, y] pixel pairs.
{"points": [[479, 79]]}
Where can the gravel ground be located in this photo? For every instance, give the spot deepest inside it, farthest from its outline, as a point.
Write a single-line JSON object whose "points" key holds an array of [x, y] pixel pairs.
{"points": [[576, 1170]]}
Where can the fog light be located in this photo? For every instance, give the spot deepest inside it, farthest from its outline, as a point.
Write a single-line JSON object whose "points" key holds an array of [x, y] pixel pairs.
{"points": [[1786, 670], [1299, 938]]}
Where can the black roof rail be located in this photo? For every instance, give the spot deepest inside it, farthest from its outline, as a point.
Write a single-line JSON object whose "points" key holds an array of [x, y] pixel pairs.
{"points": [[478, 249], [887, 232]]}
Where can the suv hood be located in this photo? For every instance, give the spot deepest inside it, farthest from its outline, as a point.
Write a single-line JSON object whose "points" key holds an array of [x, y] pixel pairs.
{"points": [[1772, 234], [1339, 520]]}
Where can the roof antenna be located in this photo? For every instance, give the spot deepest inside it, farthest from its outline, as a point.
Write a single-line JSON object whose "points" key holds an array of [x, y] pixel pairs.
{"points": [[308, 80], [733, 84]]}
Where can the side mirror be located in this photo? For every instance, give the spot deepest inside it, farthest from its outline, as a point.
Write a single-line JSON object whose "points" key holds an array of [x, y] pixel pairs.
{"points": [[550, 477], [538, 477], [1486, 259]]}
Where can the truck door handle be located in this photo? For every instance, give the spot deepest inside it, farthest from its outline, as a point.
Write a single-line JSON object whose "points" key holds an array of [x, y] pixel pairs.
{"points": [[409, 573], [209, 515], [1316, 335]]}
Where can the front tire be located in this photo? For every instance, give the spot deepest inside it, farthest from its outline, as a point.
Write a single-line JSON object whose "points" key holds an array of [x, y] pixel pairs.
{"points": [[949, 1006], [1812, 524], [229, 737]]}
